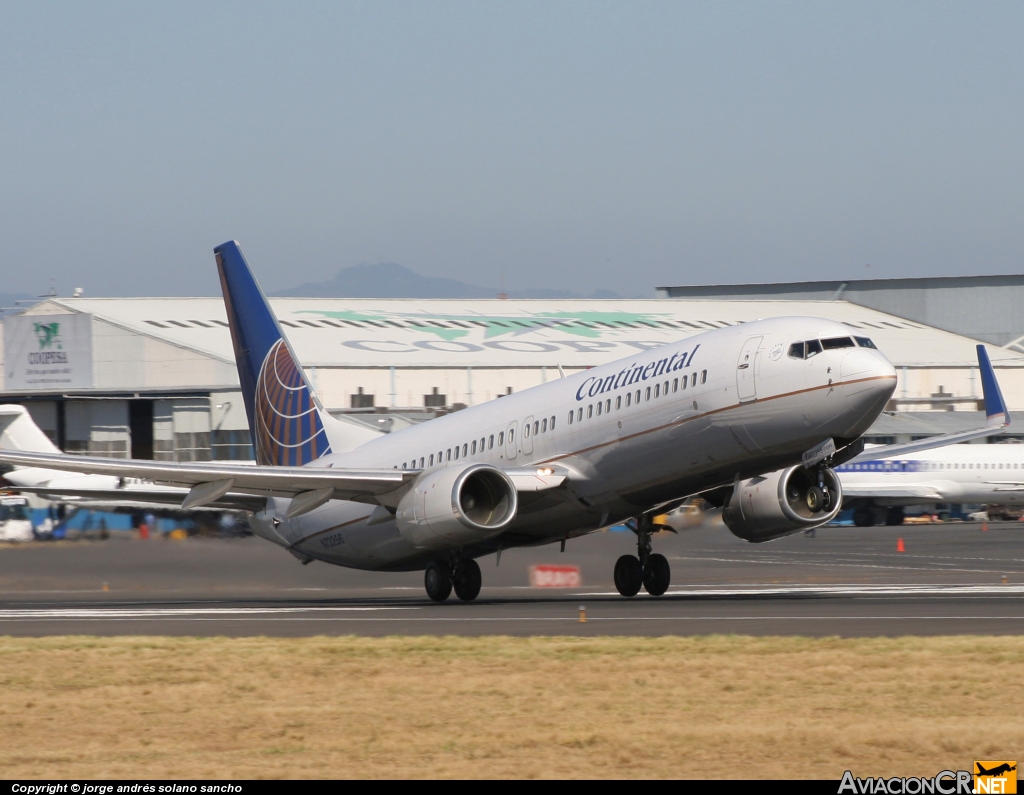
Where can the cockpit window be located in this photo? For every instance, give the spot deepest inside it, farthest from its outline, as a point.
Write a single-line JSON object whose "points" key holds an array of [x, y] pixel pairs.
{"points": [[813, 348], [833, 343], [796, 350], [864, 342]]}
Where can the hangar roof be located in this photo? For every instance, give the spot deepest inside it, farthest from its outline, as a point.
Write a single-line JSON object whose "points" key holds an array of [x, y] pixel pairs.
{"points": [[350, 332]]}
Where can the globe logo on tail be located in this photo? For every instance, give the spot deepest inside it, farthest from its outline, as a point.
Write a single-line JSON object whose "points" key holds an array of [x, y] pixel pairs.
{"points": [[288, 427]]}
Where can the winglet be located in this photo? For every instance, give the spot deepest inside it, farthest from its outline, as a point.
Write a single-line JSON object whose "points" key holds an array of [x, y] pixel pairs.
{"points": [[995, 406]]}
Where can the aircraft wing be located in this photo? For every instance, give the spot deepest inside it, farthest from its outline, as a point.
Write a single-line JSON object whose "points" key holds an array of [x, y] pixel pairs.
{"points": [[210, 481], [143, 498], [245, 487], [1005, 485], [997, 418], [926, 492]]}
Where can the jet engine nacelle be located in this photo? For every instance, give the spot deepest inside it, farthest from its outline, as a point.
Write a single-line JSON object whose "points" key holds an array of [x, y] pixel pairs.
{"points": [[782, 503], [457, 505]]}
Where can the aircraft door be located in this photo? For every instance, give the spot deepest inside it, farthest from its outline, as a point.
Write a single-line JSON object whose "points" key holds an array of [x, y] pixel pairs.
{"points": [[528, 435], [745, 387], [510, 440]]}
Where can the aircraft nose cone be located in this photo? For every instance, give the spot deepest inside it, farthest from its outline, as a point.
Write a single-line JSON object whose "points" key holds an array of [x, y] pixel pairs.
{"points": [[868, 379], [863, 363]]}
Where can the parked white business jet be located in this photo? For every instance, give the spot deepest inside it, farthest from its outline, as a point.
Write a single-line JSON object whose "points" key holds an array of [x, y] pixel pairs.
{"points": [[960, 473], [755, 415], [19, 432]]}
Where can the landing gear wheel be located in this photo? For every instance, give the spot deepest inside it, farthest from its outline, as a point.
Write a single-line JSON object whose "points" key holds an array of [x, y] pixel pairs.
{"points": [[864, 517], [815, 499], [438, 580], [629, 575], [657, 574], [894, 517], [467, 580]]}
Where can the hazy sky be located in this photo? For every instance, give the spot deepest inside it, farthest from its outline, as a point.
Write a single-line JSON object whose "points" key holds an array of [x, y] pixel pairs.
{"points": [[572, 145]]}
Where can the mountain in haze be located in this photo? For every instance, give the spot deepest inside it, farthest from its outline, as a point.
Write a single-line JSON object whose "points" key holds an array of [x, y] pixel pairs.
{"points": [[391, 280]]}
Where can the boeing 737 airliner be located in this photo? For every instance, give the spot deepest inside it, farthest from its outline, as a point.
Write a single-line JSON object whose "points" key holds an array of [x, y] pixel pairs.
{"points": [[752, 416]]}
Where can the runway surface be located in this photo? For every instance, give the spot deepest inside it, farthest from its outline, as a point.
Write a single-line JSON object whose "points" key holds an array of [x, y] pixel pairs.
{"points": [[842, 581]]}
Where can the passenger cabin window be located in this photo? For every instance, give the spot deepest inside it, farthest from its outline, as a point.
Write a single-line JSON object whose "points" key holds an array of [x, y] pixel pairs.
{"points": [[544, 426], [501, 439], [647, 394], [618, 402], [608, 405], [526, 431], [449, 454], [703, 376], [590, 411], [511, 434], [629, 399], [599, 406], [536, 427], [490, 442], [431, 459], [570, 416], [675, 384], [834, 343], [693, 380], [636, 397], [465, 449], [552, 422], [864, 342], [657, 389], [473, 448], [456, 452], [796, 350], [421, 463], [579, 414]]}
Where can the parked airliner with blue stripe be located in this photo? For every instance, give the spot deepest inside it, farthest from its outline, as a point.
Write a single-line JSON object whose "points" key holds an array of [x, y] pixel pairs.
{"points": [[753, 417], [986, 474]]}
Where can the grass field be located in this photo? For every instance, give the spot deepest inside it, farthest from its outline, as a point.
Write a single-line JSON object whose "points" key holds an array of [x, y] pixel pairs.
{"points": [[722, 706]]}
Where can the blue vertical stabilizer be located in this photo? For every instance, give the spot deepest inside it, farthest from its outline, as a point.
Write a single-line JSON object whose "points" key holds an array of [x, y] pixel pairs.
{"points": [[284, 419]]}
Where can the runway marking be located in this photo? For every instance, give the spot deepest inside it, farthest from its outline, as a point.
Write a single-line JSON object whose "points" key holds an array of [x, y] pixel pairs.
{"points": [[837, 564], [556, 619], [831, 590], [833, 556], [176, 612]]}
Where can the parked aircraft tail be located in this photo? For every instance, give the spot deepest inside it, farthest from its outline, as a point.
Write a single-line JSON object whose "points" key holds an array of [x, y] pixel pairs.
{"points": [[288, 425], [995, 406], [19, 432]]}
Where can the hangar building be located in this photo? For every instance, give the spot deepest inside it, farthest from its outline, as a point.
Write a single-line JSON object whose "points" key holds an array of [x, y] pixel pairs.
{"points": [[155, 377], [986, 308]]}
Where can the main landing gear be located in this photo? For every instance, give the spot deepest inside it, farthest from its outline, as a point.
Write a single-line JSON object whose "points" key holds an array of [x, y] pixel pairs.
{"points": [[463, 575], [646, 568]]}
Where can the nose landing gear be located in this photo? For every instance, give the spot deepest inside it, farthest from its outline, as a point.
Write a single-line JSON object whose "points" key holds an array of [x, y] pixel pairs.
{"points": [[646, 568], [463, 574]]}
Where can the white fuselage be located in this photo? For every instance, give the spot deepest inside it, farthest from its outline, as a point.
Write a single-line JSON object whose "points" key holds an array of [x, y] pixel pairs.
{"points": [[960, 473], [638, 437]]}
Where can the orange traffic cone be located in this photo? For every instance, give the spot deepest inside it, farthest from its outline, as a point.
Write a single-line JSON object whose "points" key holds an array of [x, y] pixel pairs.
{"points": [[899, 545], [984, 527]]}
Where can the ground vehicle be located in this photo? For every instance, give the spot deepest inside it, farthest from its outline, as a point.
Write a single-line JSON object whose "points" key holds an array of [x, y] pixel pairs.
{"points": [[15, 522]]}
